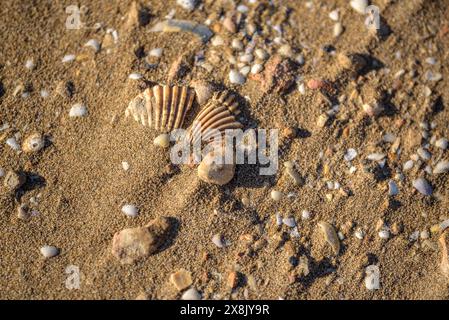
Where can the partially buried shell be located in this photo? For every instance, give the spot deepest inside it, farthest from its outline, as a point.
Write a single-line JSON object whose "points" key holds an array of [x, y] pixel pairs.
{"points": [[214, 118], [161, 107], [211, 171]]}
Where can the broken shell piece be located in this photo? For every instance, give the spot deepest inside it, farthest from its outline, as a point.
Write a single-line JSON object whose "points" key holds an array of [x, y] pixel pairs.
{"points": [[172, 25], [162, 140], [441, 167], [203, 90], [211, 171], [444, 247], [33, 143], [161, 107], [181, 279], [294, 175], [130, 245], [330, 235], [93, 43], [372, 277]]}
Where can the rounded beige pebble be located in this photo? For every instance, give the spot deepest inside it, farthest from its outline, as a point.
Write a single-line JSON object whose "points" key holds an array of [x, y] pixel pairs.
{"points": [[49, 251], [181, 279], [276, 195], [162, 140]]}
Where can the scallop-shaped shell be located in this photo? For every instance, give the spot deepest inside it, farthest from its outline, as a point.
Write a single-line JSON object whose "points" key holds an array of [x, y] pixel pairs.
{"points": [[161, 108], [214, 118]]}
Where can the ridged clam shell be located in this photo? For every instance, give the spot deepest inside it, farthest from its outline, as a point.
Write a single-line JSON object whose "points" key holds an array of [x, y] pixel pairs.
{"points": [[161, 108], [217, 114]]}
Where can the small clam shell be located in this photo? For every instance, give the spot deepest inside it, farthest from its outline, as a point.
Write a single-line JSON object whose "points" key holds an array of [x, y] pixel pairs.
{"points": [[33, 143], [162, 140], [330, 235], [161, 107]]}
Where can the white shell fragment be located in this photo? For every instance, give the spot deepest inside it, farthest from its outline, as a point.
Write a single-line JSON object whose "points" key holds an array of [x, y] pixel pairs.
{"points": [[135, 76], [236, 77], [334, 15], [372, 277], [68, 58], [191, 294], [441, 167], [408, 165], [78, 110], [305, 214], [13, 144], [94, 44], [188, 5], [130, 210], [49, 251], [350, 154], [29, 64], [359, 5], [392, 188], [289, 222], [217, 239], [375, 156], [156, 52], [423, 186], [174, 25], [442, 143]]}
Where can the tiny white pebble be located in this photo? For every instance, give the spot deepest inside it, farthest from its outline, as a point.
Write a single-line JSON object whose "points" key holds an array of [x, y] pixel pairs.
{"points": [[236, 77], [334, 15], [350, 154], [261, 54], [359, 234], [125, 165], [237, 44], [424, 154], [29, 64], [78, 110], [242, 8], [302, 88], [68, 58], [49, 251], [441, 167], [384, 234], [305, 214], [442, 143], [289, 222], [217, 239], [191, 294], [217, 41], [424, 234], [407, 165], [338, 29], [246, 58], [156, 52], [135, 76], [12, 143], [359, 5], [278, 219], [352, 169], [44, 93], [375, 156], [256, 68], [130, 210], [188, 5]]}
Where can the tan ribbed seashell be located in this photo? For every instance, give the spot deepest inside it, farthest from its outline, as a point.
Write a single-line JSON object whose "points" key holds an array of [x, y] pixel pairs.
{"points": [[216, 116], [161, 107]]}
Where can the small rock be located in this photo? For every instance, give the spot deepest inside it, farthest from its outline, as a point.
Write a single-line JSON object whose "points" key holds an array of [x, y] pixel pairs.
{"points": [[13, 144], [330, 235], [441, 167], [191, 294], [14, 180], [181, 279], [423, 186], [276, 195], [132, 244], [23, 212], [217, 239], [392, 188], [233, 279], [322, 120], [203, 90], [49, 251], [236, 77], [188, 5], [338, 29], [372, 277], [278, 77], [162, 140], [442, 143], [78, 110]]}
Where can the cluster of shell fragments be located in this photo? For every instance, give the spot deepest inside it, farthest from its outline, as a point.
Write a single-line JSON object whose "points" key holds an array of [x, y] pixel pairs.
{"points": [[164, 108]]}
